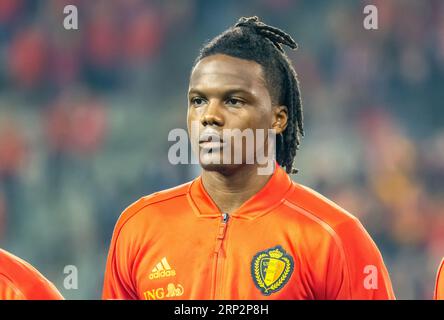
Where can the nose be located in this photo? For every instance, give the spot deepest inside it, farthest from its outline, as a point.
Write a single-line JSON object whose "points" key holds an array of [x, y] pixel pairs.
{"points": [[212, 116]]}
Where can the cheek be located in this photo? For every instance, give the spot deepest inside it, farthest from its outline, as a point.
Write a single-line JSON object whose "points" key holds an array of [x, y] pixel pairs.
{"points": [[258, 119], [192, 115], [194, 125]]}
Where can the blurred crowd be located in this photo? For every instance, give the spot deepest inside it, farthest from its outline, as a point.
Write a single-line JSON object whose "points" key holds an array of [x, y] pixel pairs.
{"points": [[85, 116]]}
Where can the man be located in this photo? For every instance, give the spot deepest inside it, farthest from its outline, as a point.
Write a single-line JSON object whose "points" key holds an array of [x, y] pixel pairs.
{"points": [[20, 281], [233, 233], [439, 287]]}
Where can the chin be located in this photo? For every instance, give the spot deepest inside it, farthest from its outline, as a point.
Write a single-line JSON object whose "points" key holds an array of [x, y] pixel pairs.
{"points": [[224, 169]]}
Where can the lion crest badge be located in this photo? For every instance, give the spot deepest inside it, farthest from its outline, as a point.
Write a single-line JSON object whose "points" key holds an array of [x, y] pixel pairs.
{"points": [[271, 269]]}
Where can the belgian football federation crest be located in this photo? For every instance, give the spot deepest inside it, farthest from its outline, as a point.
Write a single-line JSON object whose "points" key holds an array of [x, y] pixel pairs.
{"points": [[271, 269]]}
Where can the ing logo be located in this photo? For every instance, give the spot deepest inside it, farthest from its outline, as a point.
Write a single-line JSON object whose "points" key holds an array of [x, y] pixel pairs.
{"points": [[171, 291]]}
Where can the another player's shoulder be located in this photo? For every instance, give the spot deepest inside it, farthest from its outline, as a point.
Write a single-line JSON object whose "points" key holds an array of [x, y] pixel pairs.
{"points": [[10, 263], [25, 280], [439, 286], [441, 271], [6, 258], [8, 290], [18, 269], [164, 198], [318, 208]]}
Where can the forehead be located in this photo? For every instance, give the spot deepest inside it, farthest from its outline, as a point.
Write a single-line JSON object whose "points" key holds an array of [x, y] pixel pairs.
{"points": [[223, 71]]}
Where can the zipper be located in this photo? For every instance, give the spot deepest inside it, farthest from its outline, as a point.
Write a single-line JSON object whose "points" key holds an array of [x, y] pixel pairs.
{"points": [[218, 255]]}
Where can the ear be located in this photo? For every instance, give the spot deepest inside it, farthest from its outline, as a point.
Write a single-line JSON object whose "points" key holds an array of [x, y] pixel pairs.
{"points": [[279, 119]]}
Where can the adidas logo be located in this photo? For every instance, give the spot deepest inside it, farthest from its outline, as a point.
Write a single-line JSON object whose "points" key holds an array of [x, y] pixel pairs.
{"points": [[162, 270]]}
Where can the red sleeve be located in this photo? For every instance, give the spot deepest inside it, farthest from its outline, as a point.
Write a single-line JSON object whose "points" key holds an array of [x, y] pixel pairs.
{"points": [[360, 273]]}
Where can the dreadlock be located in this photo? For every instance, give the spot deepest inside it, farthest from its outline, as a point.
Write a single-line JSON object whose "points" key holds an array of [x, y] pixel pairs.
{"points": [[251, 39]]}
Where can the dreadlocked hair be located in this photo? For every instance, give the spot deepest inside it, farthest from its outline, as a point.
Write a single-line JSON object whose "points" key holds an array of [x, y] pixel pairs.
{"points": [[251, 39]]}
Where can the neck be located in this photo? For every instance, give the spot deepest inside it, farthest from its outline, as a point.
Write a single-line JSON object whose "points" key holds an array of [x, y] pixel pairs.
{"points": [[229, 192]]}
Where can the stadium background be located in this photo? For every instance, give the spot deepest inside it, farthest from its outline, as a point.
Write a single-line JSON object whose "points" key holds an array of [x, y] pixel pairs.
{"points": [[84, 118]]}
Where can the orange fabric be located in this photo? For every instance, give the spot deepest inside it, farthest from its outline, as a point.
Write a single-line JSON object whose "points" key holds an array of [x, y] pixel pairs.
{"points": [[439, 288], [20, 281], [174, 245]]}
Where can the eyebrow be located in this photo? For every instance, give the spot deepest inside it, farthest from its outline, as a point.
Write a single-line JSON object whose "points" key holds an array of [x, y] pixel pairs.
{"points": [[227, 92]]}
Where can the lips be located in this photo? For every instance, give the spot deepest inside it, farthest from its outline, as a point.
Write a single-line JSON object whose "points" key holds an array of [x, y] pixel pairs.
{"points": [[210, 140]]}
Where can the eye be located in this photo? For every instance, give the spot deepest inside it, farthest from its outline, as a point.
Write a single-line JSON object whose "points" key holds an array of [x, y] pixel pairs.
{"points": [[197, 101], [235, 102]]}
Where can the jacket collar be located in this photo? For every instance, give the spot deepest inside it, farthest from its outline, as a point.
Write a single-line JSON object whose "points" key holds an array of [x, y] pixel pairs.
{"points": [[268, 198]]}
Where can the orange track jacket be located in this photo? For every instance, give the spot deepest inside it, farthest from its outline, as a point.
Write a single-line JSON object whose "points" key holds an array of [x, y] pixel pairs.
{"points": [[286, 242]]}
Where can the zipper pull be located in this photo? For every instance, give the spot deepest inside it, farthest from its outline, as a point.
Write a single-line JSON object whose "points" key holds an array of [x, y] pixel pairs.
{"points": [[221, 233], [223, 226]]}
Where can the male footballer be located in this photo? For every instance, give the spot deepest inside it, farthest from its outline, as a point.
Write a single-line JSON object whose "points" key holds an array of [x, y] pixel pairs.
{"points": [[233, 233], [21, 281]]}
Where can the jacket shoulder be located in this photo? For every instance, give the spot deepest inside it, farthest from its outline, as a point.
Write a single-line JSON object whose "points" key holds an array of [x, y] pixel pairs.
{"points": [[159, 197], [318, 207]]}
